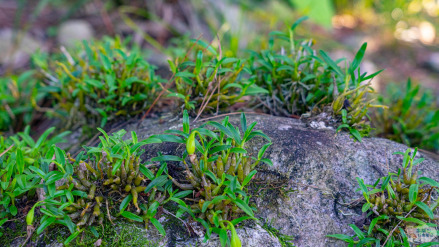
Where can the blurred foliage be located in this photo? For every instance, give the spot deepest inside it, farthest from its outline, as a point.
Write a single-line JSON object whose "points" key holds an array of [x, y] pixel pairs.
{"points": [[412, 118], [19, 96], [411, 21], [99, 82]]}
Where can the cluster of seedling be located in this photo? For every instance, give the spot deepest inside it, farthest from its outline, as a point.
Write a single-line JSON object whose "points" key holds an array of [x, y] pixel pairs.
{"points": [[218, 168], [103, 81], [401, 200], [210, 82], [301, 83], [109, 180], [113, 171]]}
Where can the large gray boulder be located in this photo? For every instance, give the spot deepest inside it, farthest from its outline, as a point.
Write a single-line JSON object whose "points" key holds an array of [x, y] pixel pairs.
{"points": [[306, 192]]}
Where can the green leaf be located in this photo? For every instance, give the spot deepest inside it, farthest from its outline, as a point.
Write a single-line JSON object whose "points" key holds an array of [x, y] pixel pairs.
{"points": [[46, 222], [125, 203], [148, 173], [20, 160], [253, 89], [417, 161], [93, 230], [43, 137], [243, 122], [184, 74], [365, 241], [132, 216], [157, 225], [223, 237], [13, 210], [178, 95], [244, 206], [358, 57], [331, 63], [262, 150], [248, 178], [60, 156], [414, 220], [183, 194], [238, 150], [205, 45], [267, 161], [3, 221], [343, 237], [300, 20], [365, 207], [257, 133], [71, 237], [166, 158], [375, 221], [357, 231], [221, 127], [157, 182], [362, 185], [426, 209], [372, 75], [429, 181], [413, 193], [355, 134], [219, 148], [169, 138], [186, 127], [429, 244], [172, 66]]}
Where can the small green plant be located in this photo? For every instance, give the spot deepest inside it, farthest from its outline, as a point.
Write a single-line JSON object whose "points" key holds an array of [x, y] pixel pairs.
{"points": [[19, 98], [211, 82], [105, 179], [301, 81], [219, 168], [393, 203], [345, 125], [412, 118], [18, 155], [100, 82]]}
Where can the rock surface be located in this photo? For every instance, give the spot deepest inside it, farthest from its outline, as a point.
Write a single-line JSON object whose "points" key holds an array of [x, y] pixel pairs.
{"points": [[315, 172]]}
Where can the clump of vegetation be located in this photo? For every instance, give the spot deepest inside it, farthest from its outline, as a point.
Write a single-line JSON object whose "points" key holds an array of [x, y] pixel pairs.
{"points": [[412, 118], [300, 82], [100, 82], [393, 203], [219, 168], [19, 98], [107, 175], [19, 155], [114, 168], [211, 82]]}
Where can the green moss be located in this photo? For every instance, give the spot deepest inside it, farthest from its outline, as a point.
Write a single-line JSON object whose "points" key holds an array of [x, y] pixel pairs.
{"points": [[119, 234]]}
